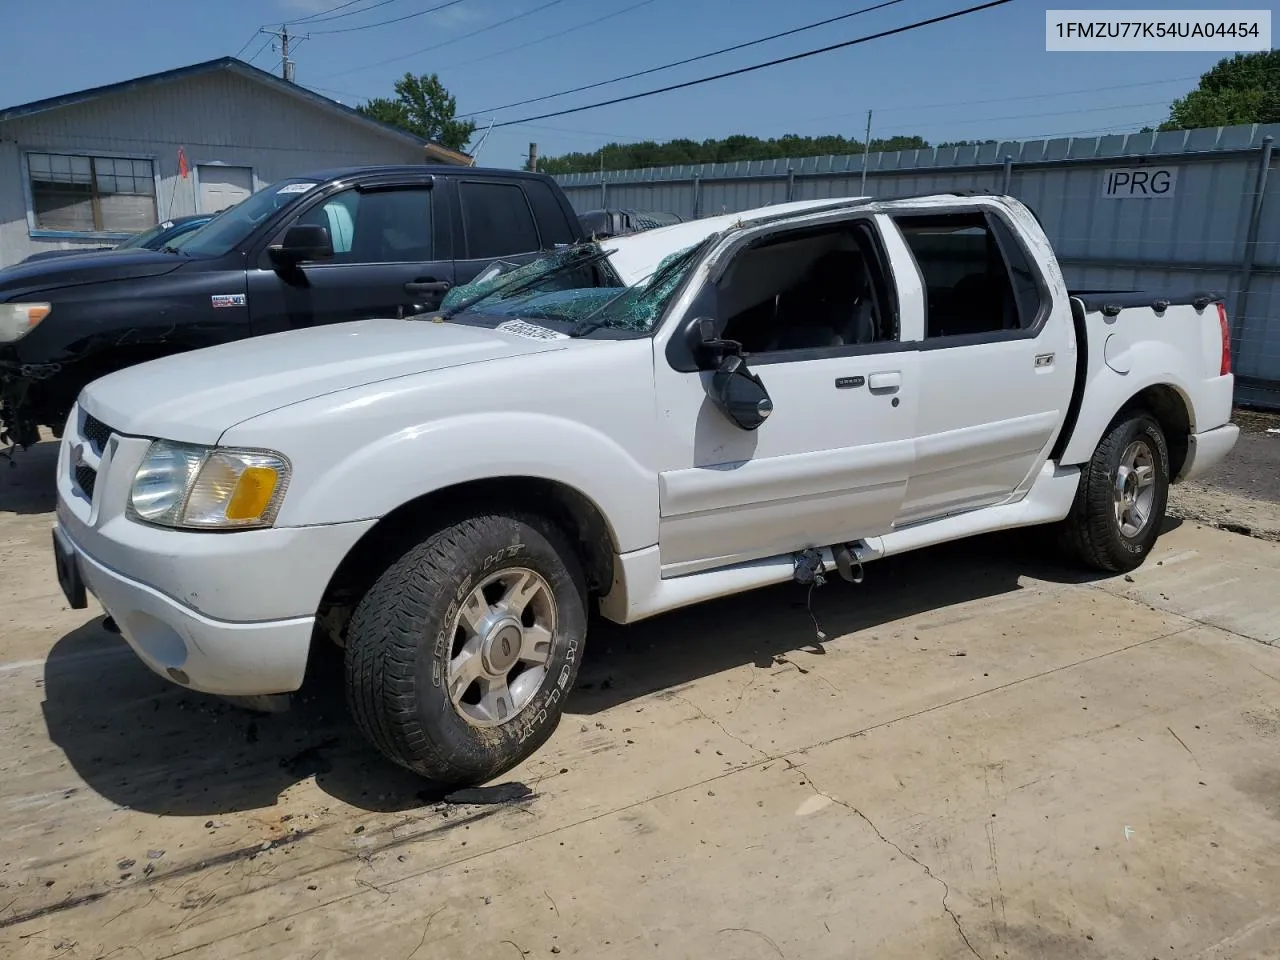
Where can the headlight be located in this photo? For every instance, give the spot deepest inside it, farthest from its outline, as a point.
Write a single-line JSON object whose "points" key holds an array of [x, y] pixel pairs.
{"points": [[19, 319], [208, 488]]}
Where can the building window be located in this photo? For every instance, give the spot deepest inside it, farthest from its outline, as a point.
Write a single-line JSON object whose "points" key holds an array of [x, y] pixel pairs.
{"points": [[91, 194]]}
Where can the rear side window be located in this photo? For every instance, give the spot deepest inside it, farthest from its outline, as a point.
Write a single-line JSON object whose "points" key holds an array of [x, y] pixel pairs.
{"points": [[552, 221], [976, 274], [496, 220]]}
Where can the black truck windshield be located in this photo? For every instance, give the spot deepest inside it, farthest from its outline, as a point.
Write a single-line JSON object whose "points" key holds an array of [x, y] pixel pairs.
{"points": [[233, 226]]}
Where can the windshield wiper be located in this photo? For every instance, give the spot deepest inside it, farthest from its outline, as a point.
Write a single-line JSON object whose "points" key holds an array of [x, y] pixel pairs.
{"points": [[519, 286], [594, 320]]}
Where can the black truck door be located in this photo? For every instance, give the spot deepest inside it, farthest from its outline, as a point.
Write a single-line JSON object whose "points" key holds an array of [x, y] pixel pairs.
{"points": [[391, 259]]}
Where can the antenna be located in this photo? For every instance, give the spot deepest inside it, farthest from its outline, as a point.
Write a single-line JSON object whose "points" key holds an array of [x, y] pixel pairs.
{"points": [[476, 152]]}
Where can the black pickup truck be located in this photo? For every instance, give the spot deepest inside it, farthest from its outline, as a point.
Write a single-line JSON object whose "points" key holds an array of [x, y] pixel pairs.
{"points": [[333, 246]]}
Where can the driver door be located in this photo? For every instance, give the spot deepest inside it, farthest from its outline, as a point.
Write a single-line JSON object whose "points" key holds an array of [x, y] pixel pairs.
{"points": [[387, 261], [831, 462]]}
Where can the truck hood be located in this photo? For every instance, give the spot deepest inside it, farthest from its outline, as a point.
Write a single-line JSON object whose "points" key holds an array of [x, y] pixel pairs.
{"points": [[195, 397], [81, 268]]}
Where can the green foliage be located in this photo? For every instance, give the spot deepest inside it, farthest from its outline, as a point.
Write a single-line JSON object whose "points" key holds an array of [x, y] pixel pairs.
{"points": [[1244, 88], [964, 143], [648, 153], [422, 106]]}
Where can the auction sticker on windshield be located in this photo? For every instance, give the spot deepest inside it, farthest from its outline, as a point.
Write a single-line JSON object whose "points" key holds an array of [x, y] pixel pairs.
{"points": [[296, 187], [530, 331]]}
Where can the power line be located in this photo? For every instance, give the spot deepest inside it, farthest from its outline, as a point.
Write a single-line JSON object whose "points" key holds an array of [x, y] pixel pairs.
{"points": [[383, 23], [762, 66], [1028, 96], [701, 56], [252, 37], [906, 133], [443, 43], [265, 43], [322, 15], [549, 36], [1055, 113]]}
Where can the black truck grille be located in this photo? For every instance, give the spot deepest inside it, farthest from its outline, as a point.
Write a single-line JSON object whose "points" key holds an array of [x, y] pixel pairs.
{"points": [[86, 477], [96, 432]]}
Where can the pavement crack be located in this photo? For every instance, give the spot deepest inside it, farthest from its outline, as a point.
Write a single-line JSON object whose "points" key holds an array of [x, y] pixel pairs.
{"points": [[716, 723], [928, 871], [767, 939]]}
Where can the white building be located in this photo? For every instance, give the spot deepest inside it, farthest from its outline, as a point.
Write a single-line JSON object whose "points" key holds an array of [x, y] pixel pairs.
{"points": [[93, 167]]}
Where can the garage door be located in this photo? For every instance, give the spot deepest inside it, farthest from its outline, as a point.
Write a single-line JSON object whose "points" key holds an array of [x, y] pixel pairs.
{"points": [[222, 187]]}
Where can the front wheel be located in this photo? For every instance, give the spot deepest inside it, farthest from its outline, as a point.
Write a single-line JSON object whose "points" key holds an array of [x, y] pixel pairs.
{"points": [[460, 656], [1120, 504]]}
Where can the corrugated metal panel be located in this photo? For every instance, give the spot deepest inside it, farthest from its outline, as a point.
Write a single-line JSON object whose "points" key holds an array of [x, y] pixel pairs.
{"points": [[220, 117], [1194, 240]]}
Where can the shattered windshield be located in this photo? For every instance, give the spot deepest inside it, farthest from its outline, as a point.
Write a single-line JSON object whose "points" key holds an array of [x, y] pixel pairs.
{"points": [[576, 286]]}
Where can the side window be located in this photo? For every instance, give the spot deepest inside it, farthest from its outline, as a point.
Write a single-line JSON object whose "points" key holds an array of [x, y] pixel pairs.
{"points": [[1026, 291], [799, 290], [496, 220], [386, 226], [976, 282]]}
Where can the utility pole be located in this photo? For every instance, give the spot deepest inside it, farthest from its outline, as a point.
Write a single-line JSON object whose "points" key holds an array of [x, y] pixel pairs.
{"points": [[866, 148], [286, 65], [533, 157]]}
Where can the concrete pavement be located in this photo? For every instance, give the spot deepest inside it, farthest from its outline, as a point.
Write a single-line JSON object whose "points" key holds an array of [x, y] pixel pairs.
{"points": [[990, 755]]}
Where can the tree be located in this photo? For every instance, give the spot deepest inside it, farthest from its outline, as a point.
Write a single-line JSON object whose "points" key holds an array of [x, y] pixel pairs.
{"points": [[648, 153], [1240, 89], [422, 106]]}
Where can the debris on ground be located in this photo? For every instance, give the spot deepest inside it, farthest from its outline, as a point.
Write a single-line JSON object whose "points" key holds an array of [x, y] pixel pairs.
{"points": [[511, 792]]}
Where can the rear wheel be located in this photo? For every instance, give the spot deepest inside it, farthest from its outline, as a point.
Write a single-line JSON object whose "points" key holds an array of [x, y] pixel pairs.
{"points": [[1120, 504], [460, 656]]}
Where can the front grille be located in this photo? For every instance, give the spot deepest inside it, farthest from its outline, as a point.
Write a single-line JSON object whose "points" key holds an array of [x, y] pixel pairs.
{"points": [[96, 432], [86, 477]]}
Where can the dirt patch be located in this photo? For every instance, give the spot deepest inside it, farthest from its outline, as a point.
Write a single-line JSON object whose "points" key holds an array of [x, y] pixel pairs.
{"points": [[1242, 495]]}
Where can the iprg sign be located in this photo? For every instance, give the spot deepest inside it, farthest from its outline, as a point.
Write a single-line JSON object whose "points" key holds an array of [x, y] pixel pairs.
{"points": [[1139, 183]]}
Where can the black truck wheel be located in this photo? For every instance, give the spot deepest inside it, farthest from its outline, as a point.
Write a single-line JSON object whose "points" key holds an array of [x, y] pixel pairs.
{"points": [[460, 656], [1120, 504]]}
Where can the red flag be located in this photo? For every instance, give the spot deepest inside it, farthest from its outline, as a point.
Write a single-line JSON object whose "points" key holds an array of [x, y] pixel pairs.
{"points": [[182, 163]]}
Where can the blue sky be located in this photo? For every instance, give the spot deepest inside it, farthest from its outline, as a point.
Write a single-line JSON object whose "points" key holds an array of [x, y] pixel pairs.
{"points": [[986, 75]]}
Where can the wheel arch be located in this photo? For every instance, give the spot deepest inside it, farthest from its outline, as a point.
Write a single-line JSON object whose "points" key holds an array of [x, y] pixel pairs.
{"points": [[1166, 400], [394, 534]]}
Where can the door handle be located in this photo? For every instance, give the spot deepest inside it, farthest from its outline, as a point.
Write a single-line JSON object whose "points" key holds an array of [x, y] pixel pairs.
{"points": [[428, 286], [887, 382]]}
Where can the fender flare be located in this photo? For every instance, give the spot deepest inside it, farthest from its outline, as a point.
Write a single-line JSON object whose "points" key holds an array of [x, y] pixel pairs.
{"points": [[1107, 393]]}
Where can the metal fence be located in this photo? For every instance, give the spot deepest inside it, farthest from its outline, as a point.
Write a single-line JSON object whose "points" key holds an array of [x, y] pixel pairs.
{"points": [[1160, 211]]}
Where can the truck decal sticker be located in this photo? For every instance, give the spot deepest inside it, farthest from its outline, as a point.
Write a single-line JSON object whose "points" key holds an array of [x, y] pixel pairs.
{"points": [[228, 300], [530, 331]]}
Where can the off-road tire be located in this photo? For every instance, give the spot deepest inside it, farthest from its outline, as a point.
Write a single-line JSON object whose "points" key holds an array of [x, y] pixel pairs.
{"points": [[401, 634], [1091, 532]]}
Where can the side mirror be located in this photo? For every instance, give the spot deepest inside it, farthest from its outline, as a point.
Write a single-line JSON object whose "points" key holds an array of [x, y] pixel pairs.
{"points": [[302, 242], [740, 394], [709, 350]]}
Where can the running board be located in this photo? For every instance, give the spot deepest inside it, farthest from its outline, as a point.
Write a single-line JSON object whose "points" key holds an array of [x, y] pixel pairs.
{"points": [[639, 591]]}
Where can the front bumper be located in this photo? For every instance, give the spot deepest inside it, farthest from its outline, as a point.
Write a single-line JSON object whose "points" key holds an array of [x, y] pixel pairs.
{"points": [[182, 645], [230, 613]]}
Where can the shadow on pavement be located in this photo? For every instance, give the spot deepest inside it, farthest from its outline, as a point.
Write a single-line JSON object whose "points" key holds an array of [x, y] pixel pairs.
{"points": [[666, 652], [27, 480], [146, 744]]}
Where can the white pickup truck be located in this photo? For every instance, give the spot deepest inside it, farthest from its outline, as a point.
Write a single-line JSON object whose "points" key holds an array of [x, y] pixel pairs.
{"points": [[682, 414]]}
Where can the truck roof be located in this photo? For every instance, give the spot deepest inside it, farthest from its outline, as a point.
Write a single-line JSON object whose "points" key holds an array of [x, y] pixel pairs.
{"points": [[436, 169]]}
